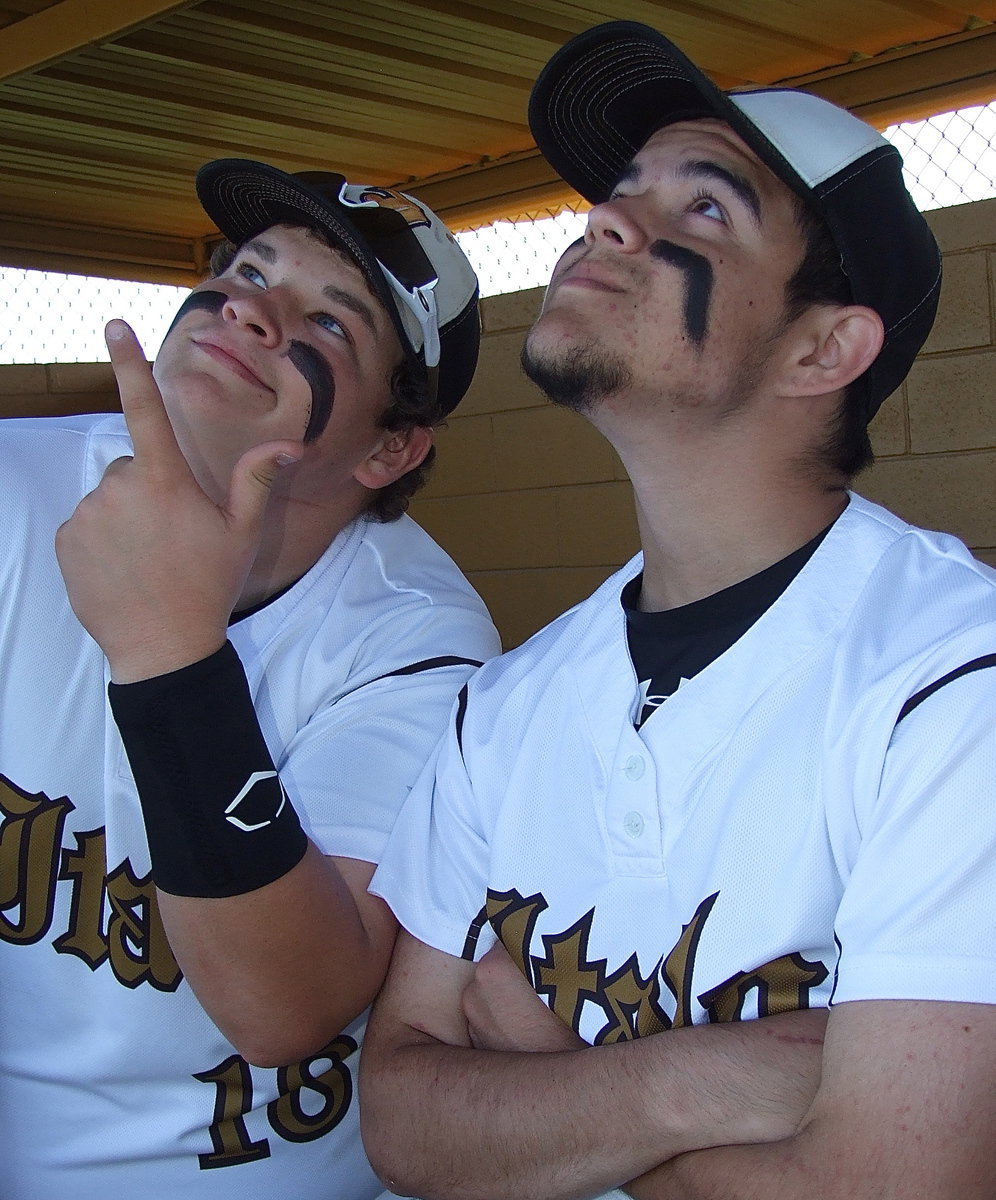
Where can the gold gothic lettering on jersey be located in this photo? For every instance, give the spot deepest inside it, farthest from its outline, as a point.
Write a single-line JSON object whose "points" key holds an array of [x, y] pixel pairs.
{"points": [[289, 1116], [114, 919], [132, 937], [30, 848], [113, 916], [630, 1000]]}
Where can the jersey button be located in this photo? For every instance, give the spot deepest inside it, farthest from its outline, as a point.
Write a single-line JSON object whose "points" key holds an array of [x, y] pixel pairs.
{"points": [[635, 766], [633, 824]]}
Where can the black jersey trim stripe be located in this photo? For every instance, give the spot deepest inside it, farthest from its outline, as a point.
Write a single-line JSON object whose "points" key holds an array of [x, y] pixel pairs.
{"points": [[461, 714], [430, 664], [836, 970], [473, 934], [977, 664]]}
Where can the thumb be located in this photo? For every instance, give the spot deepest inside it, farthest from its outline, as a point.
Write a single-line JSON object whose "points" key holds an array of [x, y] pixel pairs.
{"points": [[253, 478]]}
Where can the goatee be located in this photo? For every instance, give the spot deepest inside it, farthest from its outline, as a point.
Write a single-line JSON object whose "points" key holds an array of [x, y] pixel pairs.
{"points": [[578, 378]]}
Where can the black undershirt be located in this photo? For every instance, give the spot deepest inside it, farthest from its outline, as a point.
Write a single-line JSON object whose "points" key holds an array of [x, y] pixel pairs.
{"points": [[672, 646], [240, 614]]}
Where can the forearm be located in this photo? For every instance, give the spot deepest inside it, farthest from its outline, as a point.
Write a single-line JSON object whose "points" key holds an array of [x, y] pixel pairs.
{"points": [[281, 948], [283, 969], [466, 1124], [449, 1122], [802, 1165], [906, 1107], [751, 1172], [218, 819]]}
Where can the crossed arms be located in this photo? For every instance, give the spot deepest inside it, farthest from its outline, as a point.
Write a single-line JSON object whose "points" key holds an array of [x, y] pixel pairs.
{"points": [[459, 1100]]}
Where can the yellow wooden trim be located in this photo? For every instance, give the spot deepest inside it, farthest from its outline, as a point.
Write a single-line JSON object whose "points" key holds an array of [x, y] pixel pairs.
{"points": [[915, 82], [43, 245], [55, 32], [904, 85]]}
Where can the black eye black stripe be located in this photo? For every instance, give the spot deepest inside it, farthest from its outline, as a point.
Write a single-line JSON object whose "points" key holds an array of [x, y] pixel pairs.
{"points": [[318, 374], [698, 284]]}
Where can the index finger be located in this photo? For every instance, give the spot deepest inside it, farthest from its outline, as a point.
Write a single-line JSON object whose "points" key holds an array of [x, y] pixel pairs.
{"points": [[141, 401]]}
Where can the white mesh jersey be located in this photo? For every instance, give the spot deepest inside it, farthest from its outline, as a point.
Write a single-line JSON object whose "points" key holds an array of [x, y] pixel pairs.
{"points": [[113, 1081], [804, 822]]}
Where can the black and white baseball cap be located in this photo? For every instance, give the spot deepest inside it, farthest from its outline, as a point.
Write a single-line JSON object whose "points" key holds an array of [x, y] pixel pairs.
{"points": [[408, 257], [608, 89]]}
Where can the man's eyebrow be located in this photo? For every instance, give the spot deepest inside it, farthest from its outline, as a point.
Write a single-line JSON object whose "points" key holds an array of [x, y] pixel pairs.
{"points": [[706, 169], [337, 295], [631, 171], [355, 305], [265, 251]]}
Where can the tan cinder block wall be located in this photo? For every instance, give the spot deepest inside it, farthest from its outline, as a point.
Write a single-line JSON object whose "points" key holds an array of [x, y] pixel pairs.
{"points": [[59, 389], [935, 439], [528, 498], [535, 505]]}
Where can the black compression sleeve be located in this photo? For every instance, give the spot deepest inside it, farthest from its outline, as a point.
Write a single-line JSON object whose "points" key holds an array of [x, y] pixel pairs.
{"points": [[218, 820]]}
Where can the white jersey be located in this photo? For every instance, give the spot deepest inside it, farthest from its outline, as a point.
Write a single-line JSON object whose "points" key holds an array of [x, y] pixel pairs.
{"points": [[114, 1083], [803, 822]]}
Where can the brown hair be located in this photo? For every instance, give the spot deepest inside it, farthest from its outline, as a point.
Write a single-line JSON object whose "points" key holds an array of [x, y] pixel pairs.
{"points": [[820, 279]]}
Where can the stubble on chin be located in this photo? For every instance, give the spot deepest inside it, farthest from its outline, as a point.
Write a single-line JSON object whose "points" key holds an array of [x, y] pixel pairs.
{"points": [[576, 376]]}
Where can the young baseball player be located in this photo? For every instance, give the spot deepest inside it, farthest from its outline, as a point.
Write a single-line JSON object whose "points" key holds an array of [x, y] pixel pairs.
{"points": [[282, 647], [752, 775]]}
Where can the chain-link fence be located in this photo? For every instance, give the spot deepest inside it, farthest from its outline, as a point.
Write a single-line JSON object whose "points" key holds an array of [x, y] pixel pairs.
{"points": [[949, 159], [49, 318]]}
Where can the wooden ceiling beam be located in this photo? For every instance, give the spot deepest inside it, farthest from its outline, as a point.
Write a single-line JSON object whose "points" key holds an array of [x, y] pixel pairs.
{"points": [[279, 30], [78, 138], [180, 108], [904, 86], [335, 83], [110, 253], [65, 28], [915, 82], [517, 186]]}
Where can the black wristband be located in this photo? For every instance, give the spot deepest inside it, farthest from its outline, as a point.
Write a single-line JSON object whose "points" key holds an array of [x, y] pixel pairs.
{"points": [[218, 820]]}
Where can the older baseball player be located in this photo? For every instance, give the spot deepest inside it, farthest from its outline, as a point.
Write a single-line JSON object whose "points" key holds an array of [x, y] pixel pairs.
{"points": [[753, 774], [283, 647]]}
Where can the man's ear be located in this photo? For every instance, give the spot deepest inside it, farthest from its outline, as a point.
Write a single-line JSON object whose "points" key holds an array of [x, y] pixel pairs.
{"points": [[833, 346], [399, 452]]}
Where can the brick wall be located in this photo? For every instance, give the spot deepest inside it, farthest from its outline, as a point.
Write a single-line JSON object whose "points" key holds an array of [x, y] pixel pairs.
{"points": [[528, 498], [57, 389], [935, 439], [535, 505]]}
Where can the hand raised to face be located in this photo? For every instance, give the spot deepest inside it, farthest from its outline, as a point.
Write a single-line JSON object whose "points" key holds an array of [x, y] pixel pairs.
{"points": [[153, 566]]}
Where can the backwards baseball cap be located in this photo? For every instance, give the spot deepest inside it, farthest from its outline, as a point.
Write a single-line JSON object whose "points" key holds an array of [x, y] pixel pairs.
{"points": [[408, 257], [608, 89]]}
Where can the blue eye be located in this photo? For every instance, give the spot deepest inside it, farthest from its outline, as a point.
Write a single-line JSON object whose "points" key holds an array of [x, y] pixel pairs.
{"points": [[324, 321], [249, 272]]}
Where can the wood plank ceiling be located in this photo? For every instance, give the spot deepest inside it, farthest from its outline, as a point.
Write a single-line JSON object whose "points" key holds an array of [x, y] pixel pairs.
{"points": [[107, 107]]}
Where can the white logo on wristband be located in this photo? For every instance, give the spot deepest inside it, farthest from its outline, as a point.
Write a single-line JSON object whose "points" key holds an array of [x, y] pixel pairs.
{"points": [[250, 783]]}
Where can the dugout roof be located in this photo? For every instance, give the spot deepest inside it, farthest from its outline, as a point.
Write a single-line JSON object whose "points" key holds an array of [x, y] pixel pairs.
{"points": [[107, 107]]}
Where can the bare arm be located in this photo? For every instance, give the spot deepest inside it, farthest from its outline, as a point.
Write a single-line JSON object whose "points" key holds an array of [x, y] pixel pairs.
{"points": [[907, 1107], [153, 568], [283, 969], [442, 1118]]}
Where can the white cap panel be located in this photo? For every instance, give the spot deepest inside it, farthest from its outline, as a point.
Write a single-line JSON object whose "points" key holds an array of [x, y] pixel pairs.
{"points": [[787, 120]]}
